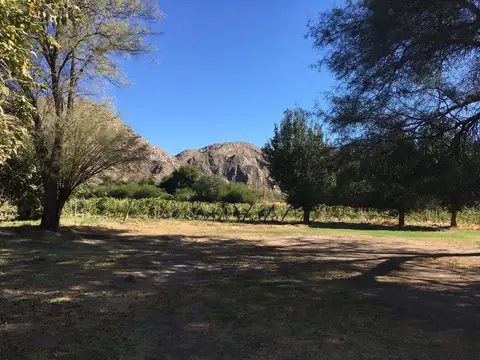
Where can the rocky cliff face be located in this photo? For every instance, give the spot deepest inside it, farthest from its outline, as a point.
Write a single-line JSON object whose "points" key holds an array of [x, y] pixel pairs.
{"points": [[234, 161]]}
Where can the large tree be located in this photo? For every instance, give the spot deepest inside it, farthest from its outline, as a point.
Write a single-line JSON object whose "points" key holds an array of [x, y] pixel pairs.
{"points": [[95, 140], [20, 21], [395, 169], [454, 174], [412, 63], [388, 172], [80, 53], [298, 158]]}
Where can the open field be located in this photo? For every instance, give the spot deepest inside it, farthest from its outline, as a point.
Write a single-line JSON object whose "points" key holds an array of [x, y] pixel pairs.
{"points": [[201, 290]]}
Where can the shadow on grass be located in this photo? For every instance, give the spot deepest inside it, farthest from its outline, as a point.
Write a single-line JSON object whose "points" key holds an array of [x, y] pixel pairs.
{"points": [[340, 225], [102, 294], [368, 226]]}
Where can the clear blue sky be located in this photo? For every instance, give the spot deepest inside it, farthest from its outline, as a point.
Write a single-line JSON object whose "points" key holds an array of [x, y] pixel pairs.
{"points": [[225, 71]]}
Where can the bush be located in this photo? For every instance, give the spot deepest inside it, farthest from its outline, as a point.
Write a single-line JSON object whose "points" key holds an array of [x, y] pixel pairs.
{"points": [[184, 194], [237, 193], [123, 191], [21, 185], [183, 177], [208, 188]]}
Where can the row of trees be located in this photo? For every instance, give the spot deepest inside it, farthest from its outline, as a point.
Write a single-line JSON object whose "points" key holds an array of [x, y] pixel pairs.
{"points": [[54, 55], [405, 112], [389, 172]]}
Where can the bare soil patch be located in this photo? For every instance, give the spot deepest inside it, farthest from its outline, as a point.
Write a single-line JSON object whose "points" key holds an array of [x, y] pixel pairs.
{"points": [[179, 290]]}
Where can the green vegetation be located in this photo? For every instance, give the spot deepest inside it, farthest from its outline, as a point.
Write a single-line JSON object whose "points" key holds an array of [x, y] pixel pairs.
{"points": [[405, 115], [20, 22], [298, 160], [416, 81], [119, 190], [187, 183], [158, 208], [85, 42]]}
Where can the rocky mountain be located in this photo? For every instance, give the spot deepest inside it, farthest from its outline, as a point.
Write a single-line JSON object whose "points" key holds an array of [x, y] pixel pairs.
{"points": [[233, 161]]}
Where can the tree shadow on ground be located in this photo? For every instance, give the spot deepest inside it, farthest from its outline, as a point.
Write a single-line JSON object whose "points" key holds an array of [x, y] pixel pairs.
{"points": [[369, 226], [341, 225], [102, 294]]}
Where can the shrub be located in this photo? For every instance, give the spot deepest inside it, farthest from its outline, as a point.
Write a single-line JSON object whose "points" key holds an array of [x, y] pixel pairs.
{"points": [[183, 177], [184, 194], [123, 191], [208, 188], [237, 193]]}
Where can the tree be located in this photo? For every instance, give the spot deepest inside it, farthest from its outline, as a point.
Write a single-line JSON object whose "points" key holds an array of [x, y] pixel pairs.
{"points": [[352, 186], [78, 53], [395, 170], [238, 193], [183, 177], [298, 158], [410, 64], [455, 180], [19, 22], [208, 188], [94, 140], [407, 65], [385, 173]]}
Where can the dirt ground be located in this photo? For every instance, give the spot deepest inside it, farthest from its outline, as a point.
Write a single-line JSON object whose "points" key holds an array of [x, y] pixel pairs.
{"points": [[180, 290]]}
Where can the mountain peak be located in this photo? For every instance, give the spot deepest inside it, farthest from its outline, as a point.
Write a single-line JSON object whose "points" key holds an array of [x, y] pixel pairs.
{"points": [[233, 161]]}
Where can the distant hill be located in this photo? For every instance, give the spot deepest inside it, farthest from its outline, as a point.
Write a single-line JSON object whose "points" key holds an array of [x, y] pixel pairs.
{"points": [[233, 161]]}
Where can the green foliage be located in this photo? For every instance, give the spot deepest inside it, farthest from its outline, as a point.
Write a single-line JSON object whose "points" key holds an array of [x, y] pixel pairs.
{"points": [[79, 55], [183, 177], [157, 208], [208, 188], [123, 191], [184, 194], [417, 78], [455, 173], [205, 188], [298, 158], [20, 21], [238, 193], [21, 185], [418, 75]]}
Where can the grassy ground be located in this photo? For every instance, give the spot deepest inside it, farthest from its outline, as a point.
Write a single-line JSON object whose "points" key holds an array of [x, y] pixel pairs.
{"points": [[187, 290], [383, 230]]}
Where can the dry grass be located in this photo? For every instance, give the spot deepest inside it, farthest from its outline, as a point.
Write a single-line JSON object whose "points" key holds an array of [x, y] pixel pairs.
{"points": [[180, 290]]}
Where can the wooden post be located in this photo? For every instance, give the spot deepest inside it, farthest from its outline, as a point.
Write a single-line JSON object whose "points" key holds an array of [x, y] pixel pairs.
{"points": [[75, 210], [128, 209], [236, 212], [286, 213], [223, 212], [269, 212], [248, 212]]}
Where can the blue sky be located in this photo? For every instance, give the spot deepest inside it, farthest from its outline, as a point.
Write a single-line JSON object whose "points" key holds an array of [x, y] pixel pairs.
{"points": [[225, 71]]}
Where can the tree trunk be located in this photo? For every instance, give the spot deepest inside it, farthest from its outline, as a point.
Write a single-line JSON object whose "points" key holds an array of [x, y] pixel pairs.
{"points": [[401, 217], [306, 216], [50, 219], [53, 203], [453, 219]]}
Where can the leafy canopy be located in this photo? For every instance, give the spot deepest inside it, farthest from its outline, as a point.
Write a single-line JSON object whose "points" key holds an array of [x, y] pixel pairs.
{"points": [[298, 160]]}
